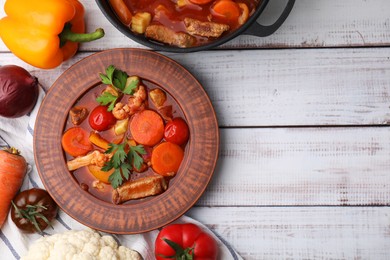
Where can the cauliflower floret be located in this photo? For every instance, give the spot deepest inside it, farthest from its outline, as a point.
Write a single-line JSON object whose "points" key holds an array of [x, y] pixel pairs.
{"points": [[135, 103], [138, 101], [40, 249], [126, 253], [78, 245], [110, 241], [108, 253], [121, 111], [99, 158]]}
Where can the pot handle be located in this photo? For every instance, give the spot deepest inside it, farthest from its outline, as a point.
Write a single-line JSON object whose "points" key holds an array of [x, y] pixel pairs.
{"points": [[259, 30]]}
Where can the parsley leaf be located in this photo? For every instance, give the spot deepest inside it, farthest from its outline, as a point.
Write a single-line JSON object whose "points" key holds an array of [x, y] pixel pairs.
{"points": [[120, 81], [120, 78], [107, 98], [122, 162], [134, 156], [108, 166], [119, 154], [126, 169], [116, 178], [131, 86], [107, 79]]}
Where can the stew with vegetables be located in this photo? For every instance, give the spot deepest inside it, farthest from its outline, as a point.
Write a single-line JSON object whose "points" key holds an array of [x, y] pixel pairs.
{"points": [[125, 139], [184, 23]]}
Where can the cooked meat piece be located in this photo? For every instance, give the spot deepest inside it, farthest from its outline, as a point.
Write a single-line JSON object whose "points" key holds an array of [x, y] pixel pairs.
{"points": [[140, 188], [207, 29], [166, 112], [78, 114], [164, 34]]}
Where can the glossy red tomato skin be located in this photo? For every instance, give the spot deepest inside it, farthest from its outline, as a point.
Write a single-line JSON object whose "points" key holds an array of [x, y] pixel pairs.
{"points": [[187, 236], [177, 131], [101, 119]]}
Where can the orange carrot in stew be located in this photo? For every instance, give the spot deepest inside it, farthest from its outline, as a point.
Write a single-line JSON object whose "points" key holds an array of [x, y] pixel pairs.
{"points": [[166, 158], [147, 127], [13, 168], [122, 11], [226, 9], [75, 142]]}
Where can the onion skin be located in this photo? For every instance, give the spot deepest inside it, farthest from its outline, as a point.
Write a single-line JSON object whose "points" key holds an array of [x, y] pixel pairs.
{"points": [[18, 91]]}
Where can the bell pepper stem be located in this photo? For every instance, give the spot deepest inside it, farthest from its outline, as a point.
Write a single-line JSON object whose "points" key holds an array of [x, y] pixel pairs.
{"points": [[68, 35]]}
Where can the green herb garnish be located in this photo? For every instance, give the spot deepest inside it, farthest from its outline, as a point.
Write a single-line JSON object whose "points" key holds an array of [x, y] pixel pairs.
{"points": [[122, 162], [120, 81], [107, 98]]}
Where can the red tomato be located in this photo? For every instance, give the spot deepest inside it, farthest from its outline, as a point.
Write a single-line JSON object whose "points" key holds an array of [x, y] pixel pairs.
{"points": [[181, 241], [176, 131], [100, 119]]}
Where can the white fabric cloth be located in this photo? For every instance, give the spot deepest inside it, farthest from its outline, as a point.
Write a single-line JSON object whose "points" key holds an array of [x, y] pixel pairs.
{"points": [[14, 244]]}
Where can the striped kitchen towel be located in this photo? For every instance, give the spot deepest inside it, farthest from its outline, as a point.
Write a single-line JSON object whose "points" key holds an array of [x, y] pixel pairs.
{"points": [[14, 244]]}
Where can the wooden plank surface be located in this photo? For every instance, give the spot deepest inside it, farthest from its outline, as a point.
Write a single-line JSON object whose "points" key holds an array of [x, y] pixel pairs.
{"points": [[305, 144], [270, 233], [306, 87], [301, 166], [327, 23], [298, 166]]}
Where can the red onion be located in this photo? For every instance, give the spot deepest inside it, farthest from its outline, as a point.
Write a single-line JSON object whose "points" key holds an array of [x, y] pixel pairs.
{"points": [[18, 91]]}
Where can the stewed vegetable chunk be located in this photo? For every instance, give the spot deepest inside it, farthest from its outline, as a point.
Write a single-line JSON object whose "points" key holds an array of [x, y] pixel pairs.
{"points": [[133, 142]]}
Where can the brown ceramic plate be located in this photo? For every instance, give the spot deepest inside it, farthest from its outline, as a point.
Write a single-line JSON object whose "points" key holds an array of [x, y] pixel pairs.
{"points": [[197, 166]]}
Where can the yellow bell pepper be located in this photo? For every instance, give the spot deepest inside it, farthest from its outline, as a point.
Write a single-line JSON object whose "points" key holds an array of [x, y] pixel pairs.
{"points": [[44, 33]]}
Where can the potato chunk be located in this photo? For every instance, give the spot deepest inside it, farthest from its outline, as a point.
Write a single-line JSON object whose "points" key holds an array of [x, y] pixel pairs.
{"points": [[140, 21]]}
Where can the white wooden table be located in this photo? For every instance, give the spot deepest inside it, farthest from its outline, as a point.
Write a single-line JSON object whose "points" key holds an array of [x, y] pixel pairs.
{"points": [[304, 167]]}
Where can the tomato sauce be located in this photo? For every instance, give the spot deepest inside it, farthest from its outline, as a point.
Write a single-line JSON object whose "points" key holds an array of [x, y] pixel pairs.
{"points": [[171, 14]]}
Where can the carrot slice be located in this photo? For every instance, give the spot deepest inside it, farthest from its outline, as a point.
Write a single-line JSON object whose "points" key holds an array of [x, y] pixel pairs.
{"points": [[226, 9], [166, 158], [75, 142], [147, 127]]}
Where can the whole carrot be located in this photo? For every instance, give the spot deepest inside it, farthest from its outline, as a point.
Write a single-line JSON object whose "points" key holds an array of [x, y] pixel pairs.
{"points": [[13, 168]]}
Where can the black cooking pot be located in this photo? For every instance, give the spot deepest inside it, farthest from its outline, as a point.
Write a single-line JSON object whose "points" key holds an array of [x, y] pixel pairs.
{"points": [[251, 27]]}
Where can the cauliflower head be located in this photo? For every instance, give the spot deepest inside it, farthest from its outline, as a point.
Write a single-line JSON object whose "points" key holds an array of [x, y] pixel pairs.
{"points": [[79, 245]]}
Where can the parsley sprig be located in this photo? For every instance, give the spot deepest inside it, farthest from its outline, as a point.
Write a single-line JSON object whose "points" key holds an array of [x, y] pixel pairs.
{"points": [[122, 162], [120, 81]]}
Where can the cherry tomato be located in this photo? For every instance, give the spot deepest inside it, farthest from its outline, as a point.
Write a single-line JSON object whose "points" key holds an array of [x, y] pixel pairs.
{"points": [[177, 131], [185, 241], [100, 119]]}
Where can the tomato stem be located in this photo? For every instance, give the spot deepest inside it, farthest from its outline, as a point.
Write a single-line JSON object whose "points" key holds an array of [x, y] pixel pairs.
{"points": [[180, 252], [31, 213], [12, 150]]}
